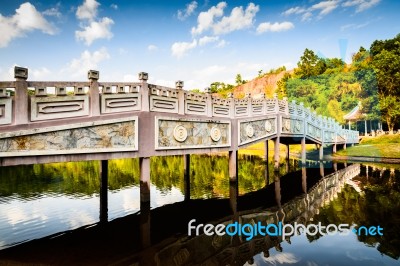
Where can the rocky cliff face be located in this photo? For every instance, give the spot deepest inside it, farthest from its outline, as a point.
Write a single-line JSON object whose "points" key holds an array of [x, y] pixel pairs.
{"points": [[267, 84]]}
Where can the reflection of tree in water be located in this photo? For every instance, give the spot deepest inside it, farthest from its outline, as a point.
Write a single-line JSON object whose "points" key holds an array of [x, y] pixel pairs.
{"points": [[72, 178], [208, 176], [378, 204]]}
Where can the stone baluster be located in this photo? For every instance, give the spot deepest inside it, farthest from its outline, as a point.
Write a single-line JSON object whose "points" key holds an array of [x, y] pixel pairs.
{"points": [[249, 104], [285, 99], [181, 97], [21, 97], [231, 105], [209, 103], [144, 91], [275, 96], [94, 94]]}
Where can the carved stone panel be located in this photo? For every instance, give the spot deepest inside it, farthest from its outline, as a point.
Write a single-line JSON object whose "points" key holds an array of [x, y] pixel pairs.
{"points": [[113, 103], [43, 108], [5, 111], [89, 137], [252, 130], [172, 133], [292, 126]]}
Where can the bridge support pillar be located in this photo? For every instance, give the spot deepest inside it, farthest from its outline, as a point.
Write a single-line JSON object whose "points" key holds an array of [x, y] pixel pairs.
{"points": [[321, 152], [278, 195], [144, 166], [145, 236], [266, 173], [103, 191], [304, 179], [334, 148], [186, 174], [276, 154], [266, 151], [303, 150], [233, 165], [344, 146], [321, 169]]}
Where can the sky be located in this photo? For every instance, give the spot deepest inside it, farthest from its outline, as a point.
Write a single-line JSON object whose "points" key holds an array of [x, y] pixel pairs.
{"points": [[199, 42]]}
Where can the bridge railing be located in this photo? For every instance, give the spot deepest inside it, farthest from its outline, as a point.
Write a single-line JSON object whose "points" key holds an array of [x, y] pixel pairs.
{"points": [[32, 103]]}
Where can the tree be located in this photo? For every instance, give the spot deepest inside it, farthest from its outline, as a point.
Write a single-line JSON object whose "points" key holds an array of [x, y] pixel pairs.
{"points": [[310, 65], [389, 106], [239, 80]]}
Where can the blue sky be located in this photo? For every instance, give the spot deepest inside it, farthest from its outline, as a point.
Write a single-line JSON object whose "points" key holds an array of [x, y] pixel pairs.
{"points": [[199, 41]]}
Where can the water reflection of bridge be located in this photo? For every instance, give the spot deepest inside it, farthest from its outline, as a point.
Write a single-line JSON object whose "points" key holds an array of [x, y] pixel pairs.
{"points": [[293, 197], [106, 120]]}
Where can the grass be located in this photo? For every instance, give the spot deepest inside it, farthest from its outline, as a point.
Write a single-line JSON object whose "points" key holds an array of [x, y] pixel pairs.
{"points": [[386, 146]]}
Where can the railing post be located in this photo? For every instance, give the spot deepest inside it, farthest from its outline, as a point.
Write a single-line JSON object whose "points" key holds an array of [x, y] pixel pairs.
{"points": [[209, 102], [249, 104], [94, 93], [144, 91], [231, 105], [286, 105], [181, 97], [21, 98]]}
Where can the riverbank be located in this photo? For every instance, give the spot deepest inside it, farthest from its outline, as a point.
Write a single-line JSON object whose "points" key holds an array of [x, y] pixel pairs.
{"points": [[373, 149]]}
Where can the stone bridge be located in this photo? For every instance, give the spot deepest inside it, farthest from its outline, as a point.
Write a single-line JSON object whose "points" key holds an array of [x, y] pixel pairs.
{"points": [[96, 120]]}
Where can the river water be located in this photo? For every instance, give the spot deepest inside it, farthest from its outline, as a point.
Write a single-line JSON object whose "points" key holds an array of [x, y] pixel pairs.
{"points": [[38, 201]]}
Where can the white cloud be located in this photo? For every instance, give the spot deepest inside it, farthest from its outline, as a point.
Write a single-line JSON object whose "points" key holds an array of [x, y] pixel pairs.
{"points": [[205, 20], [306, 16], [92, 29], [114, 6], [39, 74], [281, 258], [325, 7], [78, 67], [53, 12], [95, 30], [294, 10], [361, 4], [190, 8], [274, 27], [238, 19], [208, 39], [88, 10], [25, 19], [221, 44], [152, 48], [354, 26], [179, 49]]}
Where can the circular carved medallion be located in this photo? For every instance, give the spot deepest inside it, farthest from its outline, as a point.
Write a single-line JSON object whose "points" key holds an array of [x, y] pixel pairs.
{"points": [[268, 126], [180, 133], [249, 131], [215, 134]]}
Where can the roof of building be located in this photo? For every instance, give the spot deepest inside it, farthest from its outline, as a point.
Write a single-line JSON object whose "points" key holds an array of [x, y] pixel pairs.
{"points": [[354, 114]]}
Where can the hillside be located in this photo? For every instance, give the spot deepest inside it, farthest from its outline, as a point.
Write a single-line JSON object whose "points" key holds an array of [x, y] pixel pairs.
{"points": [[266, 83]]}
